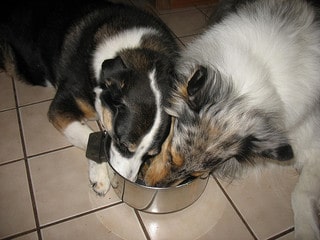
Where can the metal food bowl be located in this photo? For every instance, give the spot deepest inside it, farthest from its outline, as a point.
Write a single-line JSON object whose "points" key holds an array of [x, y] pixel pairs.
{"points": [[155, 199]]}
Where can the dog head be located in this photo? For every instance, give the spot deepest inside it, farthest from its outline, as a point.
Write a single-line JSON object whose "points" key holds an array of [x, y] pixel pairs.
{"points": [[215, 130], [130, 95]]}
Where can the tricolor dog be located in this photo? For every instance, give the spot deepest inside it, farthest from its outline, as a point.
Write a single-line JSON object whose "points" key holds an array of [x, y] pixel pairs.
{"points": [[107, 61], [249, 91]]}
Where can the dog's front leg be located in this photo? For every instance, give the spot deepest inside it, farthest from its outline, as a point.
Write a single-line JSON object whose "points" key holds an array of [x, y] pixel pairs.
{"points": [[78, 134], [98, 167], [71, 124], [98, 175], [305, 203]]}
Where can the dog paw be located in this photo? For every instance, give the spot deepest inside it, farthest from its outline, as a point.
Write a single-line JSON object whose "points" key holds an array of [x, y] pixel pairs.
{"points": [[98, 177]]}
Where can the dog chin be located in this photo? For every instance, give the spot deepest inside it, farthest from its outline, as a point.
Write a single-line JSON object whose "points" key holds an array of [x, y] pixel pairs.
{"points": [[126, 167]]}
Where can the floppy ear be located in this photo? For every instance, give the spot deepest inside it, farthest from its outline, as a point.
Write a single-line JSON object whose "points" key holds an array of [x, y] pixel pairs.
{"points": [[196, 85], [197, 81], [111, 66], [280, 153], [112, 86], [271, 143]]}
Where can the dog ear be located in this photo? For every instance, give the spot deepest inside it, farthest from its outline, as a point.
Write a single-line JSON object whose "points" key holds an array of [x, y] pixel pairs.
{"points": [[196, 85], [280, 153], [270, 142], [197, 81], [111, 66], [206, 86]]}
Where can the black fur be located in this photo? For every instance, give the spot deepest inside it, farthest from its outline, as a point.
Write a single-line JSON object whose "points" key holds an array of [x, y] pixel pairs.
{"points": [[53, 43]]}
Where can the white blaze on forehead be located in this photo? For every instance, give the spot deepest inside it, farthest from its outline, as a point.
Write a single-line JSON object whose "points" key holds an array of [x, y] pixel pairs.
{"points": [[129, 167], [108, 49]]}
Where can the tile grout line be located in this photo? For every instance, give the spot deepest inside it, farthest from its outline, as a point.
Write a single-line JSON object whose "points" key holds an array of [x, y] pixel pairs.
{"points": [[36, 155], [8, 109], [236, 209], [79, 215], [142, 224], [11, 161], [281, 234], [50, 151], [33, 201], [16, 235]]}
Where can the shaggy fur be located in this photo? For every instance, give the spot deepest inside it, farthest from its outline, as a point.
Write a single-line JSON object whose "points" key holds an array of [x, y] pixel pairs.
{"points": [[250, 89]]}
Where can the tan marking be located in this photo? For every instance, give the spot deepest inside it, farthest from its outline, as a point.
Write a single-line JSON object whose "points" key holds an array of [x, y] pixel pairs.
{"points": [[132, 147], [183, 92], [160, 165], [157, 171], [183, 87], [60, 122], [198, 173], [176, 158], [107, 119], [87, 109], [135, 59]]}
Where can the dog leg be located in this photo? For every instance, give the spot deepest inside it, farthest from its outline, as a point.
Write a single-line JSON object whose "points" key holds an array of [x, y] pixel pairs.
{"points": [[305, 200], [71, 125], [99, 178], [78, 134], [98, 167]]}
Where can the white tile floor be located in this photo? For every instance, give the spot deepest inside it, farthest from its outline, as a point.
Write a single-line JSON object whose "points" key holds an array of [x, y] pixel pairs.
{"points": [[45, 192]]}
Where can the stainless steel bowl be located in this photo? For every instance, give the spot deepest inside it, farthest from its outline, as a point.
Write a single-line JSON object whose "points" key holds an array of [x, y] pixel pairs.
{"points": [[157, 200], [154, 199]]}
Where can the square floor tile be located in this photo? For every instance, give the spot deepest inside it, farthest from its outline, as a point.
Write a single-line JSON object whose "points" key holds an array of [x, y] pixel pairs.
{"points": [[85, 228], [185, 23], [39, 134], [289, 236], [30, 236], [10, 141], [207, 9], [121, 220], [186, 40], [16, 212], [7, 100], [27, 94], [61, 185], [210, 217], [264, 200]]}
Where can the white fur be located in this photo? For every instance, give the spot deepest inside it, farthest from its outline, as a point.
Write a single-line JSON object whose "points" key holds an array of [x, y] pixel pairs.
{"points": [[108, 49], [129, 167], [99, 177], [275, 63], [78, 134]]}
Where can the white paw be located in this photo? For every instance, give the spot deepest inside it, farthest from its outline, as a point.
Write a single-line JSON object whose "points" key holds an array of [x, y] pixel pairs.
{"points": [[98, 176]]}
